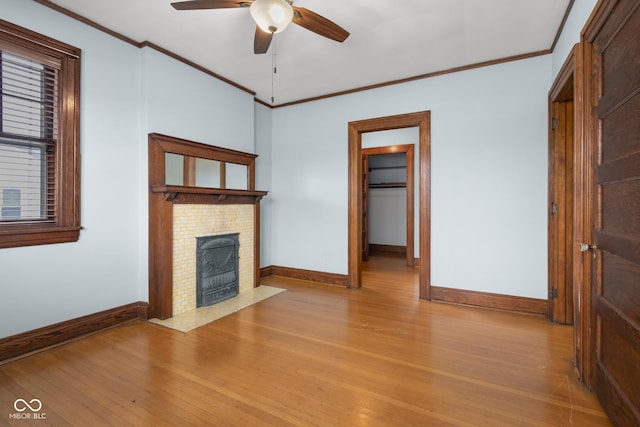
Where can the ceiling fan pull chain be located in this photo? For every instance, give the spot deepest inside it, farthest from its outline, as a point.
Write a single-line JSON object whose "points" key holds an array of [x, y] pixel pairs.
{"points": [[273, 64]]}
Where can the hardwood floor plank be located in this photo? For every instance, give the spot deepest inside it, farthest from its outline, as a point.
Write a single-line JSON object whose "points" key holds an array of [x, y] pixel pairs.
{"points": [[316, 355], [415, 371]]}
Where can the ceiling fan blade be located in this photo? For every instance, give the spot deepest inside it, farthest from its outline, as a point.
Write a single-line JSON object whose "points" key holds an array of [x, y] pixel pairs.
{"points": [[210, 4], [319, 24], [261, 41]]}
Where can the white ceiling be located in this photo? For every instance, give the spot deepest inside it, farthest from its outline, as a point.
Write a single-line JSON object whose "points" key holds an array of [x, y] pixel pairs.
{"points": [[390, 39]]}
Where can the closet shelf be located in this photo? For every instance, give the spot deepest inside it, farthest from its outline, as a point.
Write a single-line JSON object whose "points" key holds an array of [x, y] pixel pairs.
{"points": [[388, 185]]}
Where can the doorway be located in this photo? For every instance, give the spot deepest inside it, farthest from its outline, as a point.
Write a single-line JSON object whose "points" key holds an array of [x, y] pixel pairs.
{"points": [[422, 120], [400, 163]]}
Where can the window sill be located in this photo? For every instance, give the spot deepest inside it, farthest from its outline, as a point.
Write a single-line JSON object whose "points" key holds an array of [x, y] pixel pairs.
{"points": [[13, 237]]}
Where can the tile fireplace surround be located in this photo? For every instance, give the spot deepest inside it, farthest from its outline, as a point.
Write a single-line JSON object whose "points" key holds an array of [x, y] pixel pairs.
{"points": [[191, 221]]}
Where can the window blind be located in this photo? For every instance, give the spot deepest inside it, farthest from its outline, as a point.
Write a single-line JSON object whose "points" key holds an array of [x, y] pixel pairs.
{"points": [[28, 134]]}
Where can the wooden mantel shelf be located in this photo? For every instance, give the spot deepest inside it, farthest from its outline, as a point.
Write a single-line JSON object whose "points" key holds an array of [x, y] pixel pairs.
{"points": [[202, 195]]}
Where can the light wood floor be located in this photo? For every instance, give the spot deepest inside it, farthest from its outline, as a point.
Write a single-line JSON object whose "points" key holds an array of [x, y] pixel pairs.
{"points": [[315, 355]]}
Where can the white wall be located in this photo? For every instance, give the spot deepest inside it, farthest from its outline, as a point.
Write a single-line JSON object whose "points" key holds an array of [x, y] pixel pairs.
{"points": [[126, 92], [42, 285], [388, 216], [182, 101], [489, 165]]}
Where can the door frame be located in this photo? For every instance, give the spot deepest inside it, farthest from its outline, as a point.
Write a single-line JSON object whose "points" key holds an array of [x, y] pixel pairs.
{"points": [[408, 149], [584, 137], [560, 204], [421, 120], [578, 68]]}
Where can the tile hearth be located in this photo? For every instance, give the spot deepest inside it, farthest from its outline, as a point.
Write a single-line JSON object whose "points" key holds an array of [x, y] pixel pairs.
{"points": [[192, 319]]}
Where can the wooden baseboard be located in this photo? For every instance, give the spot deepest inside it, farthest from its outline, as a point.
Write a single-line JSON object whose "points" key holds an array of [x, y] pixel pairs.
{"points": [[266, 271], [387, 248], [489, 300], [454, 296], [59, 333], [296, 273]]}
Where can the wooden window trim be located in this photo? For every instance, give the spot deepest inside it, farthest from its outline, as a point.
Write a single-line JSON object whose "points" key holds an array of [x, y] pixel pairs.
{"points": [[66, 226]]}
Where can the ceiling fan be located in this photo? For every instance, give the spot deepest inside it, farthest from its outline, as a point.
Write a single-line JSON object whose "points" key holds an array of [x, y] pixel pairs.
{"points": [[272, 16]]}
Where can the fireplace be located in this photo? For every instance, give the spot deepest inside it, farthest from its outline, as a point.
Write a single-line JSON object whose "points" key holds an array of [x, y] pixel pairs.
{"points": [[217, 268], [180, 214]]}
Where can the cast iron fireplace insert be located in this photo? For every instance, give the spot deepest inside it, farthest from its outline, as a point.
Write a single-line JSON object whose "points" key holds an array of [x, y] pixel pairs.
{"points": [[217, 268]]}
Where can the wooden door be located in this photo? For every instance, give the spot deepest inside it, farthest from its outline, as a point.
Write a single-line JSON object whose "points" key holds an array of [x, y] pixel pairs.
{"points": [[365, 207], [613, 51]]}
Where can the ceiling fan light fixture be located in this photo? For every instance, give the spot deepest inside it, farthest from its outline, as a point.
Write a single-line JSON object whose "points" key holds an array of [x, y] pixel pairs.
{"points": [[272, 16]]}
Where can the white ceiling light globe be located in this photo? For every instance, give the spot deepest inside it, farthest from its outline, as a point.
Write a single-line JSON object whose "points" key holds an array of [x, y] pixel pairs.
{"points": [[272, 16]]}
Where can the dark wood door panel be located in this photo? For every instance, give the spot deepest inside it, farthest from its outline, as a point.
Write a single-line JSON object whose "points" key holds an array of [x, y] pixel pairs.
{"points": [[613, 400], [621, 77], [621, 207], [614, 14], [617, 272], [625, 143], [623, 246], [619, 360], [619, 170]]}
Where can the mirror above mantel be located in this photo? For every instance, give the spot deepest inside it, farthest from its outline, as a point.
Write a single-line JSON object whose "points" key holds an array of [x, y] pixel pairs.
{"points": [[191, 172]]}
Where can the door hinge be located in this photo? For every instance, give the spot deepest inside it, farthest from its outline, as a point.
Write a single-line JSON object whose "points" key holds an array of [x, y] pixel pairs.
{"points": [[554, 292], [555, 123], [554, 208]]}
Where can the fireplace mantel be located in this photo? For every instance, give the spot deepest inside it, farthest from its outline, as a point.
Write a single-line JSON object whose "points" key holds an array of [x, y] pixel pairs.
{"points": [[210, 196], [163, 199]]}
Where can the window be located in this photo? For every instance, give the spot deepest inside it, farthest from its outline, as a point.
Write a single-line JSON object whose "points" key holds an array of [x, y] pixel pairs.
{"points": [[39, 139], [11, 203]]}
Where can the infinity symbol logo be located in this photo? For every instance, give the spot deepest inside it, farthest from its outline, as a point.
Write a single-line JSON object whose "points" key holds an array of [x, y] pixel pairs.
{"points": [[21, 405]]}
